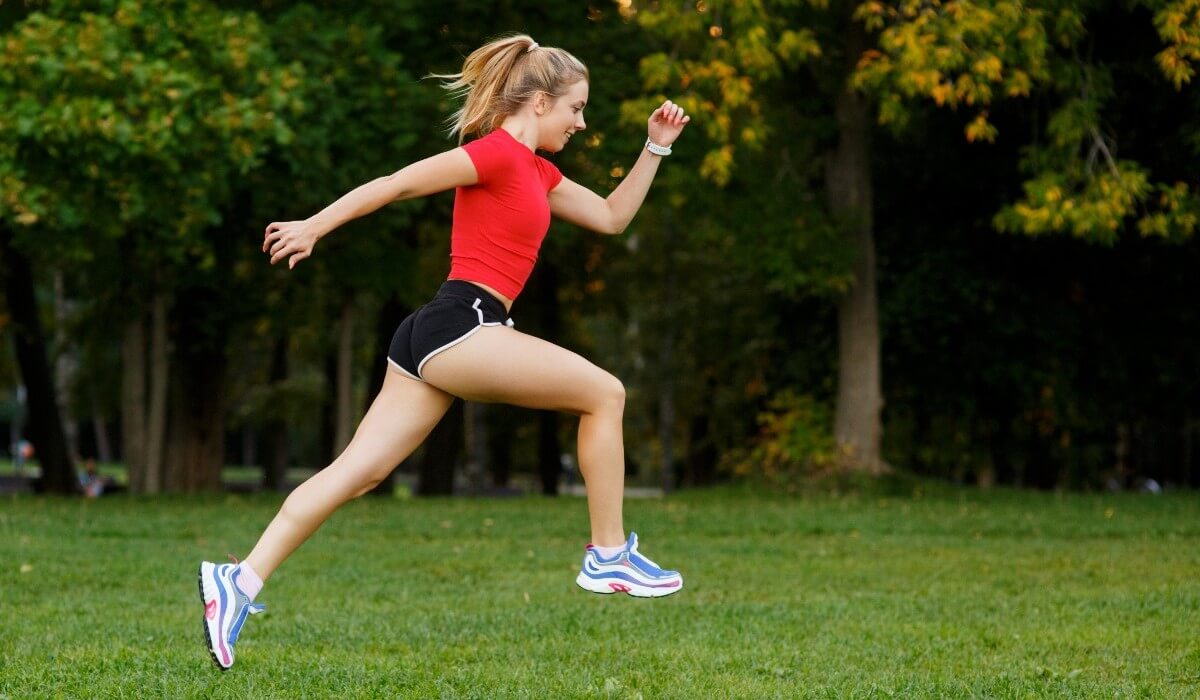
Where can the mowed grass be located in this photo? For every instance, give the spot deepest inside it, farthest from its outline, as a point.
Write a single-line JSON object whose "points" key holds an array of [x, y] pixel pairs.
{"points": [[929, 593]]}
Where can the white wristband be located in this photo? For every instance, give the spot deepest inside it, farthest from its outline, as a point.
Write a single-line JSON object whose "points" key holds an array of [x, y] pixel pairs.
{"points": [[657, 149]]}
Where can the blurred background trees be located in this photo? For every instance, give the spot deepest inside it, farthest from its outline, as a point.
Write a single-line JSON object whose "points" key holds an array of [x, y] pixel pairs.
{"points": [[953, 238]]}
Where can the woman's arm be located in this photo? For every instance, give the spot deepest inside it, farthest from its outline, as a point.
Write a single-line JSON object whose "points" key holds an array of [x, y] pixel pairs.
{"points": [[444, 171], [573, 202]]}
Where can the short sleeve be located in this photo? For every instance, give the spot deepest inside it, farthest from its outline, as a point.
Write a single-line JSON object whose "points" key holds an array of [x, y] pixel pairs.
{"points": [[550, 173], [488, 158]]}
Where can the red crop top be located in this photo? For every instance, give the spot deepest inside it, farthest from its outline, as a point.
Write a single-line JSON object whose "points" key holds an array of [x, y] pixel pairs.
{"points": [[500, 222]]}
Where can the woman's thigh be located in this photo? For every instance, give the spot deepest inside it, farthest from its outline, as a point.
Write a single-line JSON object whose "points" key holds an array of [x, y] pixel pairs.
{"points": [[502, 365], [399, 419]]}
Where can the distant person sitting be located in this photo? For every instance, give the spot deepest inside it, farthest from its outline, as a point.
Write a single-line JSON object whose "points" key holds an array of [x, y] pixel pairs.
{"points": [[92, 482], [22, 453]]}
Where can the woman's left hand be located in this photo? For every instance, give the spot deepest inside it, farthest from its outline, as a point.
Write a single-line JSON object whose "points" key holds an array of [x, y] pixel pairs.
{"points": [[666, 123]]}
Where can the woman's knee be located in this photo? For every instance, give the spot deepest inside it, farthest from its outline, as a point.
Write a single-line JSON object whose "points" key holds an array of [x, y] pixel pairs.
{"points": [[609, 395]]}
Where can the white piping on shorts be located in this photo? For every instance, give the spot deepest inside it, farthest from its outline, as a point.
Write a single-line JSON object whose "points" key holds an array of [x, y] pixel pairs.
{"points": [[463, 337], [403, 371]]}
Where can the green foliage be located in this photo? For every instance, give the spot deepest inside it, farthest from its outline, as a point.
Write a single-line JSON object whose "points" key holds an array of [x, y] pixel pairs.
{"points": [[721, 55], [1178, 24], [975, 54], [1087, 205], [795, 443], [953, 53], [126, 114]]}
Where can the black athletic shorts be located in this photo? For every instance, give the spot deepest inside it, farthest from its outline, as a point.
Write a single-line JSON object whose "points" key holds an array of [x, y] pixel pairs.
{"points": [[457, 311]]}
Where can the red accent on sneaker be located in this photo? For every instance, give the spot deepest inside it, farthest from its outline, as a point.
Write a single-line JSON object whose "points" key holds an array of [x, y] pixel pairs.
{"points": [[210, 609], [619, 587]]}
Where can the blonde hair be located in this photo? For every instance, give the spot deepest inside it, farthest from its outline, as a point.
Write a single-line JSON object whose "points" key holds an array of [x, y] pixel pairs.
{"points": [[500, 76]]}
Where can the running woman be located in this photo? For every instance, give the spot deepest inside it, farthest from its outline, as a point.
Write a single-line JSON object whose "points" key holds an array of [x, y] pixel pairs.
{"points": [[519, 98]]}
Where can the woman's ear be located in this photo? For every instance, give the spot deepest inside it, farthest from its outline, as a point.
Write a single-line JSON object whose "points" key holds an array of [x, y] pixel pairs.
{"points": [[541, 103]]}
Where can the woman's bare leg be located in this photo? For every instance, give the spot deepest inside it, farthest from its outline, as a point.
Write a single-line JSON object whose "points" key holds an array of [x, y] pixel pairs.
{"points": [[502, 365], [400, 418]]}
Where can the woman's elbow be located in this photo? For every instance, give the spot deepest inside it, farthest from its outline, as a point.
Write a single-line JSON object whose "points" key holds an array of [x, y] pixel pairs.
{"points": [[397, 187], [615, 225]]}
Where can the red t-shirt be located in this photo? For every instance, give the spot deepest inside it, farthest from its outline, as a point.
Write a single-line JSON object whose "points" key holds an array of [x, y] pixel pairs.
{"points": [[500, 222]]}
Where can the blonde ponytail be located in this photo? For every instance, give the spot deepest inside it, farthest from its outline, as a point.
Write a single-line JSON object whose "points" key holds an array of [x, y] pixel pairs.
{"points": [[500, 76]]}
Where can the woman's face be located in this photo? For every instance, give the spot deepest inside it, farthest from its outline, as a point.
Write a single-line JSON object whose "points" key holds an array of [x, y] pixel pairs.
{"points": [[563, 118]]}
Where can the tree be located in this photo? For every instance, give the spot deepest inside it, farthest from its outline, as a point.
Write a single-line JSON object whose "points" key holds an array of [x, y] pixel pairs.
{"points": [[735, 60], [122, 128]]}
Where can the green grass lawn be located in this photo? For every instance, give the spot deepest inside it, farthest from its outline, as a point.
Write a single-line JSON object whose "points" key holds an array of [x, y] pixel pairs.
{"points": [[931, 593]]}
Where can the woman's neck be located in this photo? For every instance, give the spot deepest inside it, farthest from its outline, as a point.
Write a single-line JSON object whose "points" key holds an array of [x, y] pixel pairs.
{"points": [[523, 129]]}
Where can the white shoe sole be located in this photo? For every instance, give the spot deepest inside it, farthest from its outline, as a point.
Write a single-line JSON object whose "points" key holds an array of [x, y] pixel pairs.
{"points": [[212, 625], [608, 586]]}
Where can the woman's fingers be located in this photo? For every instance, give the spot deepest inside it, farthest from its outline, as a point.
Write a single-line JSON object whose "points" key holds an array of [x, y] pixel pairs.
{"points": [[670, 113], [282, 253], [283, 243]]}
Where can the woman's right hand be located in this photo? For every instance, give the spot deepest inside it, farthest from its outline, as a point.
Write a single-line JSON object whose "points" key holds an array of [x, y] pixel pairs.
{"points": [[290, 239]]}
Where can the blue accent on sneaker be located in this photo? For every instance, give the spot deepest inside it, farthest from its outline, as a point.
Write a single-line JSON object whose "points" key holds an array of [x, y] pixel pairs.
{"points": [[628, 572], [245, 607], [226, 607]]}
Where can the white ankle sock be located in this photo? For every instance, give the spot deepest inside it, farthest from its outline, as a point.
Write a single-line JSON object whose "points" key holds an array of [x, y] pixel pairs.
{"points": [[249, 581], [608, 552]]}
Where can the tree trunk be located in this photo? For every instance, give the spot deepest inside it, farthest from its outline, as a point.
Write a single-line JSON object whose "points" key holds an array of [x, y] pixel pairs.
{"points": [[104, 452], [549, 452], [542, 291], [45, 424], [390, 316], [156, 417], [666, 363], [500, 440], [66, 365], [702, 455], [328, 428], [195, 436], [344, 417], [133, 403], [275, 455], [476, 467], [442, 448], [196, 427], [857, 426]]}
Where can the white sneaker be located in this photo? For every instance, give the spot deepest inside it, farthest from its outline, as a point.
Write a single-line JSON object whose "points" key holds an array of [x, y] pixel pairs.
{"points": [[628, 572], [225, 610]]}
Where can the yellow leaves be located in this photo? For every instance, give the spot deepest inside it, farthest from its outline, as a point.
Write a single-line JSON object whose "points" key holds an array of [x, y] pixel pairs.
{"points": [[717, 165], [795, 47], [1178, 214], [989, 67], [951, 53], [1178, 25], [941, 93], [1018, 85], [1087, 205], [1178, 69], [980, 129]]}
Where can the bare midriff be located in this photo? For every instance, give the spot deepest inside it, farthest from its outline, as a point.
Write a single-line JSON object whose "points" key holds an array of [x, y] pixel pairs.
{"points": [[503, 299]]}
